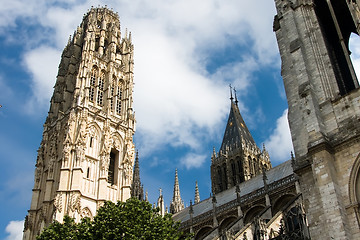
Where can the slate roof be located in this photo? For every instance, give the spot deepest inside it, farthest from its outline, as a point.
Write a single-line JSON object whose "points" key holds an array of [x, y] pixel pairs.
{"points": [[275, 174], [236, 129]]}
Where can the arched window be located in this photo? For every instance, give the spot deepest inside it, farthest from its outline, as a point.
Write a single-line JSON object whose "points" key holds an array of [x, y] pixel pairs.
{"points": [[92, 84], [118, 98], [100, 93]]}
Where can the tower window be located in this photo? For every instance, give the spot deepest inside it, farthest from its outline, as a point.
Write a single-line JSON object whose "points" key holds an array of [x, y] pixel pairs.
{"points": [[118, 100], [88, 173], [113, 165], [97, 43], [92, 84], [100, 97], [233, 170], [112, 92]]}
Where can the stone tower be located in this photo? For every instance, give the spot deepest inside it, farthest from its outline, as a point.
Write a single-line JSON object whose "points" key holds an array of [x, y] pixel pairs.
{"points": [[176, 204], [86, 155], [324, 110], [239, 158]]}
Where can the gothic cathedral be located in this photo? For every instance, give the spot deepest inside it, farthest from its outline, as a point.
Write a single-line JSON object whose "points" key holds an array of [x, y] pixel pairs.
{"points": [[87, 152]]}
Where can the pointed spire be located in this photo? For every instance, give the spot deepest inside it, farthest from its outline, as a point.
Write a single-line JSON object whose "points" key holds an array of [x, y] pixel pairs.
{"points": [[136, 187], [231, 96], [197, 195], [236, 100], [176, 204]]}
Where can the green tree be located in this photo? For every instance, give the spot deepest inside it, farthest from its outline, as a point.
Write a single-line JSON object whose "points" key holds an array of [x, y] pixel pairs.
{"points": [[128, 220]]}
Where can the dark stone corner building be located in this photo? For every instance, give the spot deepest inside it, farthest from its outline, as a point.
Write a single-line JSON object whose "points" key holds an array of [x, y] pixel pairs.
{"points": [[316, 194], [87, 154]]}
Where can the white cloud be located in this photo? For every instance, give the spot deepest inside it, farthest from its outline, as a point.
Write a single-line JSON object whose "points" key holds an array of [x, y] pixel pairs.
{"points": [[193, 160], [279, 144], [42, 63], [14, 230]]}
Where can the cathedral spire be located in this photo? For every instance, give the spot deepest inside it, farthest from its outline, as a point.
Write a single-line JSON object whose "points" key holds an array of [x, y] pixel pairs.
{"points": [[176, 204], [236, 129], [197, 195], [236, 100], [231, 96], [136, 188]]}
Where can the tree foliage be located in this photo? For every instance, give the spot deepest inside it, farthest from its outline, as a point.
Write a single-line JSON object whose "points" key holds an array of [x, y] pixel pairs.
{"points": [[128, 220]]}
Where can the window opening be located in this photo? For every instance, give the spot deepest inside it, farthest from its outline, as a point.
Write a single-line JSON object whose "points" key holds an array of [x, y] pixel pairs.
{"points": [[354, 47], [92, 85], [101, 89], [111, 172], [112, 92], [233, 169], [338, 46], [88, 173], [118, 101]]}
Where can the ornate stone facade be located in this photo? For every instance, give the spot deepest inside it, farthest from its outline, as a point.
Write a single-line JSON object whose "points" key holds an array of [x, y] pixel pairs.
{"points": [[87, 152]]}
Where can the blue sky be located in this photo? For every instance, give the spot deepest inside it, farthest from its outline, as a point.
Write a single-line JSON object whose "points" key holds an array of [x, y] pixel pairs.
{"points": [[186, 55]]}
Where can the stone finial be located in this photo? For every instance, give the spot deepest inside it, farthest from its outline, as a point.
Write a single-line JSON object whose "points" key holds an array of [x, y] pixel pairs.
{"points": [[191, 210], [197, 195], [292, 160], [213, 198], [265, 179]]}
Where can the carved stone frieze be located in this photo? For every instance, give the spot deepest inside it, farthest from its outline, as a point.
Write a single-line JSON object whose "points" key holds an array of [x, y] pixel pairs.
{"points": [[75, 202], [58, 202]]}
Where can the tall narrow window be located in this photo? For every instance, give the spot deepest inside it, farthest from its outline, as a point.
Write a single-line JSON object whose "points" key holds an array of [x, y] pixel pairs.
{"points": [[240, 170], [225, 177], [111, 172], [92, 84], [233, 170], [118, 99], [220, 183], [112, 92], [100, 95]]}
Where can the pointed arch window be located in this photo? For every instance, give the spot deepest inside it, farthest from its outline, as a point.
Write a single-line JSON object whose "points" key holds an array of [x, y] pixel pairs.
{"points": [[100, 92], [92, 84]]}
